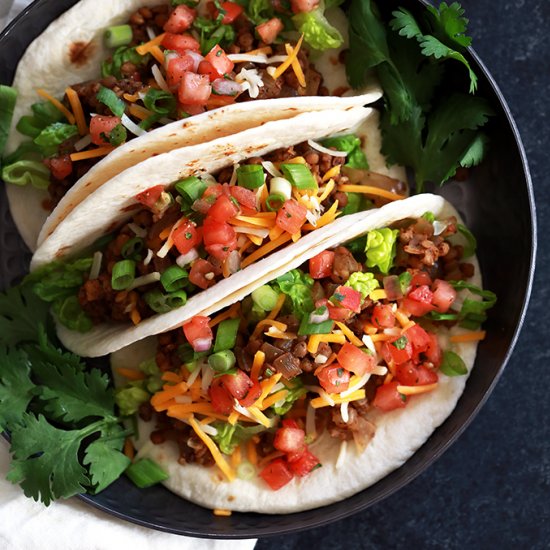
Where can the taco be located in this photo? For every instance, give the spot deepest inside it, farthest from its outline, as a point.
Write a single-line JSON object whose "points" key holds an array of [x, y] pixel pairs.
{"points": [[95, 80], [163, 241], [327, 373]]}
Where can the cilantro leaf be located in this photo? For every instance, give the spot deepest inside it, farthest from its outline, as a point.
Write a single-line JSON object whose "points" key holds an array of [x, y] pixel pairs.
{"points": [[106, 462], [448, 23], [475, 153], [45, 459], [16, 387]]}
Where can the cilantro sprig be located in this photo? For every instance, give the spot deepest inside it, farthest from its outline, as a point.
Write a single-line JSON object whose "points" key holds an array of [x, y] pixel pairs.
{"points": [[429, 124], [66, 438]]}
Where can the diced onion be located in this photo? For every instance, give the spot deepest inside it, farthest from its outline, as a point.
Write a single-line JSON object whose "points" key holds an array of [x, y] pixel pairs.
{"points": [[344, 411], [247, 58], [367, 340], [149, 257], [193, 376], [439, 227], [341, 460], [250, 80], [159, 79], [362, 381], [321, 149], [132, 126], [187, 258], [223, 86], [165, 248], [316, 318], [320, 359], [168, 56], [258, 232], [207, 371], [234, 176], [82, 143], [145, 280], [240, 409], [96, 265], [280, 185], [150, 33], [271, 169], [210, 430], [380, 371], [202, 344], [233, 262], [139, 231], [394, 331], [197, 58]]}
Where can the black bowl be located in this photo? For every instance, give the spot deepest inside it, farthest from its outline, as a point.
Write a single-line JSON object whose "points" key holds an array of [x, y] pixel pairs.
{"points": [[497, 204]]}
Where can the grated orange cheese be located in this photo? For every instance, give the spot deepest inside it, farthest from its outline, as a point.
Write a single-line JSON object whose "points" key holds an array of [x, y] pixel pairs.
{"points": [[334, 171], [222, 512], [288, 61], [296, 236], [231, 313], [409, 325], [251, 453], [129, 450], [381, 337], [401, 317], [272, 399], [328, 217], [144, 49], [278, 306], [370, 190], [233, 417], [135, 316], [255, 239], [468, 337], [348, 333], [91, 153], [266, 50], [167, 393], [170, 376], [257, 220], [296, 67], [267, 386], [140, 112], [319, 402], [158, 54], [275, 232], [261, 417], [415, 390], [130, 374], [76, 106], [257, 364], [266, 323], [265, 249], [57, 104], [236, 456], [378, 294], [328, 189], [316, 339]]}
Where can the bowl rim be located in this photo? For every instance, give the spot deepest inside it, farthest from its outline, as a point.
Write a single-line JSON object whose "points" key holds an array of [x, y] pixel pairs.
{"points": [[334, 516]]}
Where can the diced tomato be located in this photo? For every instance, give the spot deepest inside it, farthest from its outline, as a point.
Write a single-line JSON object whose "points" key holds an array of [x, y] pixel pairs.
{"points": [[232, 11], [320, 266], [383, 317], [205, 67], [304, 464], [290, 440], [223, 209], [276, 474], [291, 216], [194, 89], [410, 374], [222, 401], [387, 397], [198, 333], [238, 384], [186, 237], [433, 354], [213, 191], [443, 295], [219, 238], [245, 197], [199, 274], [420, 278], [334, 378], [347, 297], [355, 360], [269, 30], [334, 312], [61, 166], [253, 393], [419, 301], [419, 339], [180, 19], [219, 60], [150, 196], [398, 350], [290, 423], [190, 110], [180, 42], [101, 127], [303, 6], [177, 68]]}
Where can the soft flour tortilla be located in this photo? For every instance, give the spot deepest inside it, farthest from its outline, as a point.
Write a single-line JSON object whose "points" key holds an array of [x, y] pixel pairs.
{"points": [[71, 50], [399, 433]]}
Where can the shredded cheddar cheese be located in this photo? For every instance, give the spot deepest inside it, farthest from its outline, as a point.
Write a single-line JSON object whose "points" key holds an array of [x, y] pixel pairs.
{"points": [[76, 106], [348, 333], [319, 402], [265, 249], [144, 49], [222, 512], [289, 60], [140, 112], [231, 313], [130, 374], [278, 306], [415, 390], [369, 190], [91, 153], [316, 339], [468, 337], [378, 294], [328, 217], [257, 364], [334, 171]]}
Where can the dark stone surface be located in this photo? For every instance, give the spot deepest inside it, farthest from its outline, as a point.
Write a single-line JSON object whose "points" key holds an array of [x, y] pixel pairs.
{"points": [[491, 489]]}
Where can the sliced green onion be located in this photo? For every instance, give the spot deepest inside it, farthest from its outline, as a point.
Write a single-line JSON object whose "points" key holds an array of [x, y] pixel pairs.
{"points": [[145, 473], [274, 202], [111, 101], [159, 101], [250, 176], [124, 273], [226, 336], [191, 188], [8, 98], [27, 171], [149, 121], [245, 470], [131, 248], [265, 297], [118, 35], [174, 278], [29, 126], [222, 361], [118, 135], [307, 328], [280, 186], [176, 299], [46, 113], [299, 175], [156, 300]]}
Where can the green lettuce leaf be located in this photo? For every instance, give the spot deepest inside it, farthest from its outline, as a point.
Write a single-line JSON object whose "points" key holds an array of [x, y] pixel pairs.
{"points": [[380, 248], [297, 286], [364, 283], [318, 33], [228, 436]]}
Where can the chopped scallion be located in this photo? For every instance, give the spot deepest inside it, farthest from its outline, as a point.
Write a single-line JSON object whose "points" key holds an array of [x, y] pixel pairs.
{"points": [[174, 278], [191, 188], [250, 176], [176, 299], [118, 35], [226, 335], [307, 328], [265, 297], [29, 126], [130, 249], [156, 300], [145, 473], [274, 202], [111, 101], [159, 102], [222, 361], [124, 273], [299, 175]]}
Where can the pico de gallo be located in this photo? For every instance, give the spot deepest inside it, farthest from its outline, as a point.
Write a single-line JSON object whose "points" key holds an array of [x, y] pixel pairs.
{"points": [[328, 348], [182, 241], [169, 62]]}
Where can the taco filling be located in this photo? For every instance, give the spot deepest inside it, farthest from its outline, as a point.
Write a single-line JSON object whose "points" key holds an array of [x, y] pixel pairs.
{"points": [[323, 351], [168, 63], [181, 242]]}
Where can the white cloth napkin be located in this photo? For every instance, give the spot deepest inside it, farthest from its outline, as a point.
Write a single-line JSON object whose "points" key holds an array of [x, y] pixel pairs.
{"points": [[70, 524]]}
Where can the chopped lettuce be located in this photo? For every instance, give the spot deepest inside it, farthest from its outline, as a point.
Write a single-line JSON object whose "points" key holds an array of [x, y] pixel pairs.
{"points": [[24, 172], [52, 136], [8, 97], [318, 32], [228, 436], [351, 144], [297, 286], [122, 55], [364, 283], [380, 249]]}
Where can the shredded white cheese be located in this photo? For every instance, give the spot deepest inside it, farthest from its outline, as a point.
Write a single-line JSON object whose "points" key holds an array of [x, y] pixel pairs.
{"points": [[259, 232], [207, 377], [210, 430], [344, 411], [247, 58], [193, 376], [139, 231], [322, 149], [145, 280], [251, 81], [132, 126], [82, 143], [96, 265], [340, 461], [149, 257], [159, 79]]}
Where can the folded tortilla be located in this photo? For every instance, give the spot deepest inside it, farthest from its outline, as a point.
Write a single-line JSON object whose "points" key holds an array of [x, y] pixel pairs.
{"points": [[345, 472], [71, 50]]}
